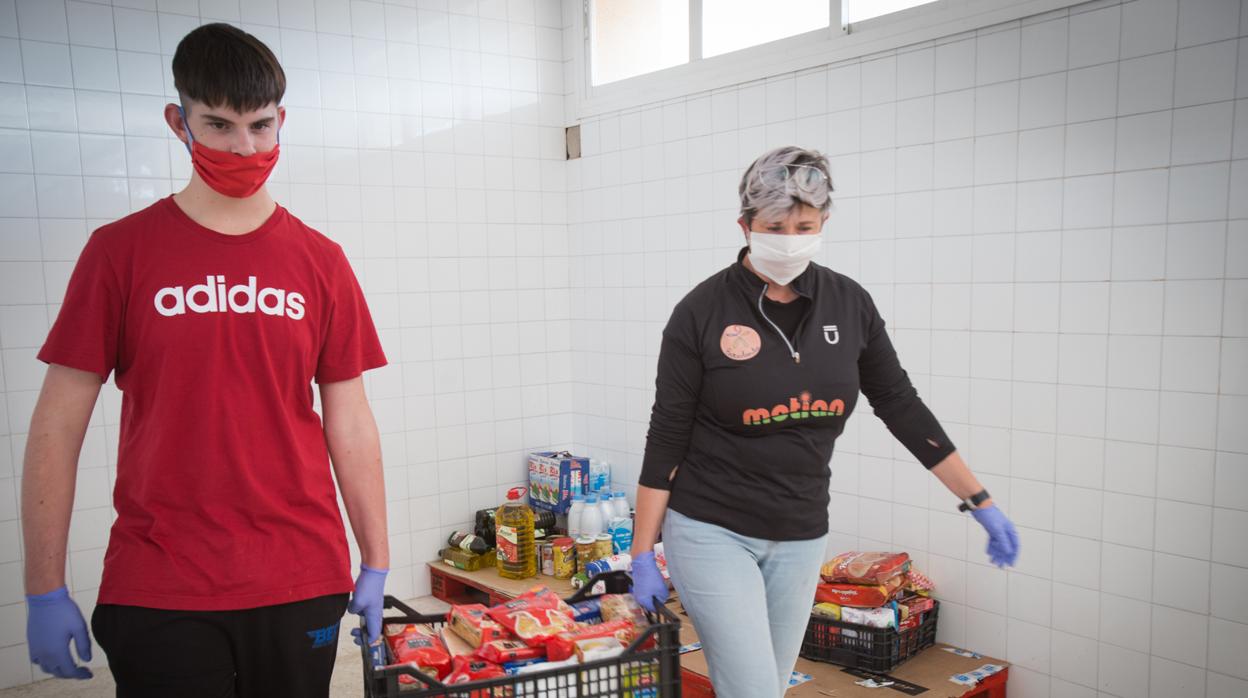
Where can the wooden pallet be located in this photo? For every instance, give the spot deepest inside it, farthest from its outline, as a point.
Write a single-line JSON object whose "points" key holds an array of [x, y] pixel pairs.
{"points": [[456, 586]]}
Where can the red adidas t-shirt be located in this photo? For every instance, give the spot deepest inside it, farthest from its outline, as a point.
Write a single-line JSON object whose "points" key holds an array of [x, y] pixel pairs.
{"points": [[224, 493]]}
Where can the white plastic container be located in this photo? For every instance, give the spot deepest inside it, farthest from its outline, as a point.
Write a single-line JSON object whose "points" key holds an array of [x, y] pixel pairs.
{"points": [[607, 507], [591, 518], [620, 502], [575, 514]]}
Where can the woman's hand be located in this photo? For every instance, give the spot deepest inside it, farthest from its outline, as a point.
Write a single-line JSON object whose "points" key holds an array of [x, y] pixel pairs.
{"points": [[1002, 538]]}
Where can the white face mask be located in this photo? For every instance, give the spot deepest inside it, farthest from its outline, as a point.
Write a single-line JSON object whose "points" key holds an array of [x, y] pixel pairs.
{"points": [[783, 258]]}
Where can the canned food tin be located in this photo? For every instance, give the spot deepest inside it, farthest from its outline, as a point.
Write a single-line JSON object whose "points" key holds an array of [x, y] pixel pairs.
{"points": [[546, 555], [603, 546], [563, 558]]}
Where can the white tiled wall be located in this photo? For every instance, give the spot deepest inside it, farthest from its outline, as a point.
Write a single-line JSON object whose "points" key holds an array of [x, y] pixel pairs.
{"points": [[1053, 217], [426, 137]]}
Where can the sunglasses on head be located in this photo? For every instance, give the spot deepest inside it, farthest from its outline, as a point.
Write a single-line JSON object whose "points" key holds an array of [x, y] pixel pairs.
{"points": [[807, 177]]}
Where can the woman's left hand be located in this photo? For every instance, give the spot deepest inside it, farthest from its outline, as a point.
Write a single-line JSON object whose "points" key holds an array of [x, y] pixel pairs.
{"points": [[1002, 538]]}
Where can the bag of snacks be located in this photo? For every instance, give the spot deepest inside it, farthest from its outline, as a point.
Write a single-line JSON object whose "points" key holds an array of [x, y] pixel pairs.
{"points": [[535, 616], [858, 595], [870, 617], [564, 645], [827, 610], [466, 670], [864, 568], [504, 651], [473, 623], [419, 647], [613, 606]]}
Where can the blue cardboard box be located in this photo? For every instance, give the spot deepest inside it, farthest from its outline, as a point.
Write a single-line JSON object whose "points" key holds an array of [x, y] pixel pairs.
{"points": [[554, 476]]}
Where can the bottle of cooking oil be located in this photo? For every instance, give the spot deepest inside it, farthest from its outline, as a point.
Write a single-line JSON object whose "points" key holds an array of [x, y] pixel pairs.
{"points": [[517, 554]]}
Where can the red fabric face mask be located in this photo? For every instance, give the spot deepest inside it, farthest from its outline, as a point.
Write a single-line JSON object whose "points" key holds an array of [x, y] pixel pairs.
{"points": [[228, 174]]}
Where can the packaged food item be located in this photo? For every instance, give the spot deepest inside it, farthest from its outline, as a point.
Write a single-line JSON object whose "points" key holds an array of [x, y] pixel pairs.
{"points": [[827, 610], [473, 623], [419, 647], [660, 559], [615, 606], [858, 595], [603, 546], [546, 555], [621, 530], [864, 568], [563, 551], [457, 558], [595, 648], [503, 651], [870, 617], [455, 644], [535, 616], [513, 668], [609, 563], [918, 583], [916, 605], [514, 536], [585, 551], [564, 645], [587, 611], [468, 542], [467, 670]]}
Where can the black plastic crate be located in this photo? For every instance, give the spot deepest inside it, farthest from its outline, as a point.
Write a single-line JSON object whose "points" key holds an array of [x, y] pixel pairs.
{"points": [[873, 649], [636, 673]]}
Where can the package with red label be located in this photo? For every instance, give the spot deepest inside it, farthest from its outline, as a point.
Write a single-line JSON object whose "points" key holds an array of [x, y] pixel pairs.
{"points": [[918, 583], [858, 595], [563, 645], [466, 670], [419, 647], [503, 651], [473, 623], [615, 606], [864, 568], [535, 616], [916, 605]]}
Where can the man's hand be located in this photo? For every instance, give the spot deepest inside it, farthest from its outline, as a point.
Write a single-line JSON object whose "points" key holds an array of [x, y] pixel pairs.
{"points": [[52, 620], [368, 601]]}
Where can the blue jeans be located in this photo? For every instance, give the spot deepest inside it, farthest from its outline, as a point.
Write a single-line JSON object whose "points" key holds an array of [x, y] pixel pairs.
{"points": [[749, 600]]}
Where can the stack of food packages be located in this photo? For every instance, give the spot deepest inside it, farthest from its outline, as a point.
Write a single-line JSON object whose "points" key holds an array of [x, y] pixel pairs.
{"points": [[878, 590], [532, 633]]}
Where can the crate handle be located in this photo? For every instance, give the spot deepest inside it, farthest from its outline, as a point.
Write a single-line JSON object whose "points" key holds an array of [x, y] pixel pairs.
{"points": [[402, 669]]}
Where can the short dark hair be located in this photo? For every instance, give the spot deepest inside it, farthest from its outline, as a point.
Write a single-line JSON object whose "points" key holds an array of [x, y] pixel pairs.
{"points": [[218, 64]]}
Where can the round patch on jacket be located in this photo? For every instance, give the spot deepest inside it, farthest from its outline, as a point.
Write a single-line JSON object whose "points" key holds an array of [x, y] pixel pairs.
{"points": [[740, 342]]}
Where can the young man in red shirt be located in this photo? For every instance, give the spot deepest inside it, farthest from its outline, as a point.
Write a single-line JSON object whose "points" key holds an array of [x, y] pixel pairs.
{"points": [[227, 570]]}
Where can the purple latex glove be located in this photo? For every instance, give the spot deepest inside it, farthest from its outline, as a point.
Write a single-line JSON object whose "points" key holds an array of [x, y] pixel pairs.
{"points": [[368, 601], [648, 581], [52, 620], [1002, 538]]}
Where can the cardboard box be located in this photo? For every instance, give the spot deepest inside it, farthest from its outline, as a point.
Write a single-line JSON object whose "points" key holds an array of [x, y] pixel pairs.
{"points": [[552, 478], [926, 674]]}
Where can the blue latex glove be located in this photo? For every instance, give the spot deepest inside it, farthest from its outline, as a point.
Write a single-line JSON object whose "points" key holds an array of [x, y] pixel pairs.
{"points": [[52, 620], [648, 581], [368, 601], [1002, 538]]}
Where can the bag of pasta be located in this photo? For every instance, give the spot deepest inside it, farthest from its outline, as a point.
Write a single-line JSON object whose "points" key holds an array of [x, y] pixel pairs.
{"points": [[535, 616]]}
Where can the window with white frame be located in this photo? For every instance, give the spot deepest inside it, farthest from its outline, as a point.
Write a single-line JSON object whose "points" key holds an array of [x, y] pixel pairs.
{"points": [[732, 25], [629, 38], [861, 10]]}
